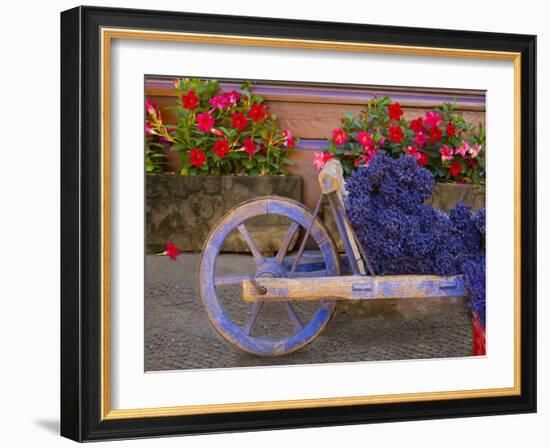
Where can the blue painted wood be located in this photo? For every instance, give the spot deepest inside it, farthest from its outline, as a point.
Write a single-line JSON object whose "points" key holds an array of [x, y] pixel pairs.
{"points": [[338, 214], [239, 335]]}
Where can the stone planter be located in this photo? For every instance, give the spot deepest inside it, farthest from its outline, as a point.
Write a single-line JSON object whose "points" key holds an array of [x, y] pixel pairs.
{"points": [[183, 209], [444, 196]]}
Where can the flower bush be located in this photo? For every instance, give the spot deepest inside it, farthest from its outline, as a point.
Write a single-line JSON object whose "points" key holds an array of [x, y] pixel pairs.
{"points": [[441, 140], [221, 133], [403, 235]]}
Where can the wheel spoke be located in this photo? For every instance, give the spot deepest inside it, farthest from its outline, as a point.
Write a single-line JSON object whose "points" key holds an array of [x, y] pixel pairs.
{"points": [[253, 316], [220, 280], [286, 242], [251, 244], [298, 325]]}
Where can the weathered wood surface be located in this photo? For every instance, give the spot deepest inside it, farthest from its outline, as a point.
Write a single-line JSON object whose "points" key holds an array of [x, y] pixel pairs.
{"points": [[355, 287], [331, 177], [467, 99]]}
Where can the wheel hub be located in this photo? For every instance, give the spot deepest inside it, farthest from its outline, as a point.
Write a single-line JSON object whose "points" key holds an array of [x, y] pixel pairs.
{"points": [[270, 268]]}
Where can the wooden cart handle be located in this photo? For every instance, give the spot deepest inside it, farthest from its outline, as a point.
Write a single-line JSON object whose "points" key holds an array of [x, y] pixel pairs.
{"points": [[331, 177]]}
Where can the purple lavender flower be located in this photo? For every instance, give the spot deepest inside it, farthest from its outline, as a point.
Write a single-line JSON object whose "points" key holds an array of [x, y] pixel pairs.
{"points": [[401, 234]]}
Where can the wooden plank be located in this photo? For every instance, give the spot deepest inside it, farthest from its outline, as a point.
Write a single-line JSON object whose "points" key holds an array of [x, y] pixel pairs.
{"points": [[355, 287], [419, 97]]}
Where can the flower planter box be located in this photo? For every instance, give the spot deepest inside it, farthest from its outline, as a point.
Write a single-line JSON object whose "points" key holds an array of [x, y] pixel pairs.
{"points": [[183, 209], [445, 196]]}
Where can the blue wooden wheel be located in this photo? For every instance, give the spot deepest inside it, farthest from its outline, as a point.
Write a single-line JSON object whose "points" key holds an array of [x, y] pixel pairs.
{"points": [[242, 330]]}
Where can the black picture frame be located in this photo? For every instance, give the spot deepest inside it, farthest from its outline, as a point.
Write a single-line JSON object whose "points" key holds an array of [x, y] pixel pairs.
{"points": [[81, 204]]}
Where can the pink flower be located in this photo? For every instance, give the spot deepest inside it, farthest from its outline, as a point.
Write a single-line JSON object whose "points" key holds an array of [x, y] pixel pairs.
{"points": [[365, 139], [219, 102], [474, 151], [205, 122], [148, 130], [413, 151], [420, 138], [446, 153], [320, 159], [339, 136], [216, 132], [150, 108], [289, 140], [433, 119], [463, 149], [232, 97]]}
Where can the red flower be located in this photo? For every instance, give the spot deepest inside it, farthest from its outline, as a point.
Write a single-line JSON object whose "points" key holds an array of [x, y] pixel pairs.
{"points": [[205, 122], [451, 130], [394, 111], [148, 130], [257, 112], [238, 121], [435, 134], [455, 169], [171, 250], [365, 139], [249, 146], [396, 134], [197, 157], [190, 100], [472, 163], [423, 160], [417, 125], [221, 148], [289, 139], [339, 136]]}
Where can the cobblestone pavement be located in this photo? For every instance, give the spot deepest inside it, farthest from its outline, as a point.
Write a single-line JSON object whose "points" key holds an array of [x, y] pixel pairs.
{"points": [[179, 336]]}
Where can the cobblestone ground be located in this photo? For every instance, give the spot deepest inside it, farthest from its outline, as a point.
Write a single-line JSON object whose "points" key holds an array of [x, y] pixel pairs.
{"points": [[179, 336]]}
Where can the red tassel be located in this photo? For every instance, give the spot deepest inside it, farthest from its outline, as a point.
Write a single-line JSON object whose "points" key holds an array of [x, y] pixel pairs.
{"points": [[478, 348]]}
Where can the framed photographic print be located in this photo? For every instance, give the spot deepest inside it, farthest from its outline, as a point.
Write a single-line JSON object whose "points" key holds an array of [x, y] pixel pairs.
{"points": [[275, 223]]}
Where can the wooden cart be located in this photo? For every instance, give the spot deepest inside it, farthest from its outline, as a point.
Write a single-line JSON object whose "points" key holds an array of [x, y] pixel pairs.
{"points": [[291, 280]]}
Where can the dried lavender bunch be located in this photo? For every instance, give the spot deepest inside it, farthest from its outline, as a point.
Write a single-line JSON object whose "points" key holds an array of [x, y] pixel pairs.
{"points": [[401, 234]]}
